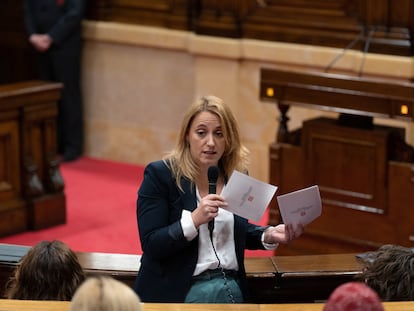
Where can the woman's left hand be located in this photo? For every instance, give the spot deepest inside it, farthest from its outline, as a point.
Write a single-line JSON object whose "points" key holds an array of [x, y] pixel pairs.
{"points": [[282, 233]]}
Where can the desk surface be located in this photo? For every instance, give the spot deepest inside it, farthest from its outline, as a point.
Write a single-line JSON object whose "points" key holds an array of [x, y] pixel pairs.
{"points": [[329, 263], [308, 265], [278, 279], [340, 93], [200, 307], [109, 262], [31, 305]]}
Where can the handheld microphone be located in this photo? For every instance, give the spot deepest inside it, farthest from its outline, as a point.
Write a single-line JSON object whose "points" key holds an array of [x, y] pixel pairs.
{"points": [[212, 174]]}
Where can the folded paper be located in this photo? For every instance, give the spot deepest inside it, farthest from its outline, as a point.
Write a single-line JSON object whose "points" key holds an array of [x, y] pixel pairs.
{"points": [[301, 206], [247, 196]]}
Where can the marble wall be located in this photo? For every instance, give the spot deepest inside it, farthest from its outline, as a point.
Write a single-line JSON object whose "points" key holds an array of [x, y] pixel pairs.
{"points": [[138, 81]]}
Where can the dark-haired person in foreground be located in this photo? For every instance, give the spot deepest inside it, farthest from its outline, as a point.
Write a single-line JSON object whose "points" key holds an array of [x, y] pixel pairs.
{"points": [[48, 271], [390, 272], [180, 262]]}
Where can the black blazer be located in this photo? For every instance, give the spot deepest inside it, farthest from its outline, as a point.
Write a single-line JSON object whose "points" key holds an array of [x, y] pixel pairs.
{"points": [[168, 260], [61, 19]]}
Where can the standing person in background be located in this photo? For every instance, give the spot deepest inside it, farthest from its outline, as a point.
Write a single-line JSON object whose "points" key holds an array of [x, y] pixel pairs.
{"points": [[48, 271], [55, 32], [182, 260]]}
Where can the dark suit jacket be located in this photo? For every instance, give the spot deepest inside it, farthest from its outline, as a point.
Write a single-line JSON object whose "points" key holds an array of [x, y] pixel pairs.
{"points": [[168, 260], [61, 19]]}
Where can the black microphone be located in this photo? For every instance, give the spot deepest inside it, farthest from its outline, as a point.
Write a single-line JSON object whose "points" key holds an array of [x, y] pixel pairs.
{"points": [[212, 174]]}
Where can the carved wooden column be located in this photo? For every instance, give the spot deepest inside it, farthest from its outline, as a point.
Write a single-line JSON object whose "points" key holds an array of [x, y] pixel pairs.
{"points": [[282, 135], [44, 184]]}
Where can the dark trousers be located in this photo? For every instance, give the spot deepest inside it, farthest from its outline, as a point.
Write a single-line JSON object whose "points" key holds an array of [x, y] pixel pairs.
{"points": [[215, 286], [64, 65]]}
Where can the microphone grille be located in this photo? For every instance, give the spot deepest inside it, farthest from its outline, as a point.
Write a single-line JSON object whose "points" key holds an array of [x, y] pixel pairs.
{"points": [[212, 174]]}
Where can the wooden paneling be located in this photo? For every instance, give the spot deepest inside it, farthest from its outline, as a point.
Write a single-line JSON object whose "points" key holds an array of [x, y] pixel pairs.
{"points": [[159, 13], [31, 186], [401, 200], [378, 26], [342, 159], [286, 164], [9, 166], [364, 171], [12, 207], [375, 26]]}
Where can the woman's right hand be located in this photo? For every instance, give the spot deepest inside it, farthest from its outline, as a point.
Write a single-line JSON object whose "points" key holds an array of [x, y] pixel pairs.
{"points": [[207, 209]]}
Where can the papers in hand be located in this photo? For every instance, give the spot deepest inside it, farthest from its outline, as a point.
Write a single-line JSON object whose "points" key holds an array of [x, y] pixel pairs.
{"points": [[246, 196], [301, 206]]}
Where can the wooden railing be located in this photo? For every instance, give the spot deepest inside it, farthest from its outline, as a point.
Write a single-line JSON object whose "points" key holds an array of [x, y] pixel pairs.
{"points": [[377, 26], [278, 279], [373, 26], [24, 305]]}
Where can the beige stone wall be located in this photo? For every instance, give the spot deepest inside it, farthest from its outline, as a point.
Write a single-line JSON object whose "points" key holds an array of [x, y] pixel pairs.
{"points": [[138, 81]]}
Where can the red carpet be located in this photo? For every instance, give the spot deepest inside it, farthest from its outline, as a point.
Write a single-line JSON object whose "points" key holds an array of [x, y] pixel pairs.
{"points": [[101, 197]]}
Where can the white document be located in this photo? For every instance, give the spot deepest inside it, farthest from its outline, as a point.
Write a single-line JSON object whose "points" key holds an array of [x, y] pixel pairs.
{"points": [[301, 206], [246, 196]]}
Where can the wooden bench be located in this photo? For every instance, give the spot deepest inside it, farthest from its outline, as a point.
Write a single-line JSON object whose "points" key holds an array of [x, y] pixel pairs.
{"points": [[278, 279]]}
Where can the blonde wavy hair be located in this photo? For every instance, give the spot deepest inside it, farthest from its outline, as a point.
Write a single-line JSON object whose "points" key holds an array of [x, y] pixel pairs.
{"points": [[235, 156], [104, 293]]}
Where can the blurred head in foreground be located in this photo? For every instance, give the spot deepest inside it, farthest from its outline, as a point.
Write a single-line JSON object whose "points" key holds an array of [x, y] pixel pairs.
{"points": [[353, 296], [104, 293], [390, 272], [50, 270]]}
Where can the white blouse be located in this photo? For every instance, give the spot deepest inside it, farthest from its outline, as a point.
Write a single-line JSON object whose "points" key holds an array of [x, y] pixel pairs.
{"points": [[223, 240]]}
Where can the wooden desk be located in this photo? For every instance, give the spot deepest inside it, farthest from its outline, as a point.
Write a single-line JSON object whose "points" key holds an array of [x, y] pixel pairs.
{"points": [[298, 276], [200, 307], [340, 93], [280, 279], [31, 186], [122, 267], [364, 171], [262, 279], [31, 305], [388, 306]]}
